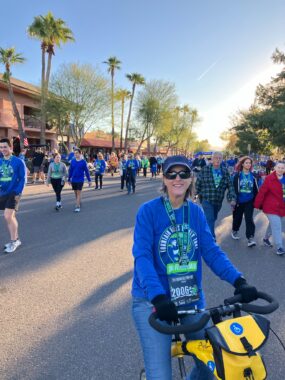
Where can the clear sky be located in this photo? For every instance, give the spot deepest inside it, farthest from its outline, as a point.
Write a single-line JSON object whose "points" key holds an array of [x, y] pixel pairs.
{"points": [[215, 51]]}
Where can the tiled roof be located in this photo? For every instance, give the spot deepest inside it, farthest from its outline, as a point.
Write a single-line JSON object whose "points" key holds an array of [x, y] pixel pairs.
{"points": [[20, 86], [100, 143], [104, 140]]}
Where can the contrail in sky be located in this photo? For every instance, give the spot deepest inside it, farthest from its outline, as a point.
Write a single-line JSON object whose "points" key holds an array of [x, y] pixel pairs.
{"points": [[207, 70]]}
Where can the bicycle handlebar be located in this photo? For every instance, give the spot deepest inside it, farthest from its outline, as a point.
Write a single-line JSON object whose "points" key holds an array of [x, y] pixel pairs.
{"points": [[179, 329], [231, 304], [258, 309]]}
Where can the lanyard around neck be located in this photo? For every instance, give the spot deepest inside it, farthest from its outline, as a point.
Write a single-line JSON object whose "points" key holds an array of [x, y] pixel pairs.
{"points": [[182, 243]]}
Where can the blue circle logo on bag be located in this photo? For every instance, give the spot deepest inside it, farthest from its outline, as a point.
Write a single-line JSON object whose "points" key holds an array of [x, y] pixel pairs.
{"points": [[211, 365], [236, 328]]}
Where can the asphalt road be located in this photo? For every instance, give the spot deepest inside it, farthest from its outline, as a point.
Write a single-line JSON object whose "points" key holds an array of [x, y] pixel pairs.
{"points": [[65, 293]]}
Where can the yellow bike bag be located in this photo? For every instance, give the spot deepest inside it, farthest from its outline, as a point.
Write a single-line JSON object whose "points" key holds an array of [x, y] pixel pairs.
{"points": [[235, 343]]}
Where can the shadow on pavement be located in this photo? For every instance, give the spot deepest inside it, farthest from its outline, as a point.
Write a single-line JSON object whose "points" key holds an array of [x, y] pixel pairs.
{"points": [[48, 235]]}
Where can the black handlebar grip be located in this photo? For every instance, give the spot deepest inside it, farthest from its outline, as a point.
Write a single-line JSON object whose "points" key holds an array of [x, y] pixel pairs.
{"points": [[258, 309], [235, 299], [179, 329], [261, 309]]}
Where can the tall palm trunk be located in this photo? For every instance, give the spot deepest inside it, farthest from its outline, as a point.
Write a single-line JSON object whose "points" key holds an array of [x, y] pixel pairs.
{"points": [[112, 110], [43, 98], [50, 54], [122, 122], [16, 113], [129, 117]]}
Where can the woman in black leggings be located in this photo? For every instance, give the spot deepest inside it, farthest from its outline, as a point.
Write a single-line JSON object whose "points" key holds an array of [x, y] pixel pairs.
{"points": [[56, 176]]}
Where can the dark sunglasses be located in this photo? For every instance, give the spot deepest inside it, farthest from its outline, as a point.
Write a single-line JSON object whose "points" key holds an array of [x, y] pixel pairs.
{"points": [[182, 174]]}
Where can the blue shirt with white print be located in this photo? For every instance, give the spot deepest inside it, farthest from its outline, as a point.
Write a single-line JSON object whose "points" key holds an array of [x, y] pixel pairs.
{"points": [[12, 176], [155, 246], [245, 187], [133, 165], [100, 166]]}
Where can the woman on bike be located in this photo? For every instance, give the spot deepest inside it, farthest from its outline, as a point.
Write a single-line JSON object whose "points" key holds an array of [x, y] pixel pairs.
{"points": [[271, 199], [246, 188], [171, 237]]}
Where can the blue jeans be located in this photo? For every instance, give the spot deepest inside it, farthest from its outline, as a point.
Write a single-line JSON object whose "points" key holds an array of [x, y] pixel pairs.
{"points": [[157, 347], [211, 213]]}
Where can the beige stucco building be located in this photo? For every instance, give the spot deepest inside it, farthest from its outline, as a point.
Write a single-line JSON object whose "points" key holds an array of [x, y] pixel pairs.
{"points": [[28, 103]]}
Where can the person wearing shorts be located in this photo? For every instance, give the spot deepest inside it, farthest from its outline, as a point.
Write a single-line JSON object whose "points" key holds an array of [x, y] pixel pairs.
{"points": [[78, 167], [12, 182], [38, 158]]}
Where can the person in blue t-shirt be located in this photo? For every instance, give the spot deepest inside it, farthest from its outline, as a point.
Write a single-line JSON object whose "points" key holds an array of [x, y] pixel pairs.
{"points": [[100, 166], [159, 164], [12, 182], [131, 173], [246, 189], [78, 167], [171, 238], [71, 155]]}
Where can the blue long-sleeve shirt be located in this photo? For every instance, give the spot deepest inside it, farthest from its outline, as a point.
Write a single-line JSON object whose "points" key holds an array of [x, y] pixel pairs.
{"points": [[12, 176], [133, 165], [100, 166], [77, 170], [155, 247]]}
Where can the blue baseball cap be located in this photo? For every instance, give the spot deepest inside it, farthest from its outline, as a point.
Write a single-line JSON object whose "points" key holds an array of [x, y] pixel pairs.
{"points": [[175, 161]]}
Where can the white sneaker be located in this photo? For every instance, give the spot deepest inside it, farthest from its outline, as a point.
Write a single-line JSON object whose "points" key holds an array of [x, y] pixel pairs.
{"points": [[251, 242], [7, 244], [235, 235], [77, 209], [280, 252], [13, 245]]}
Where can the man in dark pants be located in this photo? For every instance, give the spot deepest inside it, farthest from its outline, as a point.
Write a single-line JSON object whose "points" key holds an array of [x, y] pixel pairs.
{"points": [[211, 184], [131, 173]]}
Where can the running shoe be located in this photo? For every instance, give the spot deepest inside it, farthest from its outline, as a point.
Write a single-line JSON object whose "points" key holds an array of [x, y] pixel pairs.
{"points": [[13, 246], [280, 252], [7, 244], [77, 209], [251, 242], [267, 243], [235, 235], [57, 208]]}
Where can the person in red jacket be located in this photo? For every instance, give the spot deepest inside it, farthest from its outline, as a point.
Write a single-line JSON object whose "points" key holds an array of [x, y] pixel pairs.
{"points": [[271, 199]]}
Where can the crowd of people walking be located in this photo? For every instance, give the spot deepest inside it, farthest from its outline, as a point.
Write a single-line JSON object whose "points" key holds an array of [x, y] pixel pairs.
{"points": [[212, 178]]}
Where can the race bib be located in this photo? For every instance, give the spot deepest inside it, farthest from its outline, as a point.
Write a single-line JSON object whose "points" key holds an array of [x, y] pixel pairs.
{"points": [[183, 289]]}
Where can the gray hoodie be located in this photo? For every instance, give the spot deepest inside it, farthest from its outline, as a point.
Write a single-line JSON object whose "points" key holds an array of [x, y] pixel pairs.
{"points": [[62, 171]]}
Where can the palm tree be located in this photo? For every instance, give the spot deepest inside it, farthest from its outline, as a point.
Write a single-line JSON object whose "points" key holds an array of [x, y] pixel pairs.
{"points": [[136, 79], [122, 95], [113, 64], [9, 57], [51, 32]]}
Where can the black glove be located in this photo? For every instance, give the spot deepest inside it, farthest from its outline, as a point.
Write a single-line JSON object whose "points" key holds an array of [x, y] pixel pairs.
{"points": [[165, 309], [248, 292]]}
